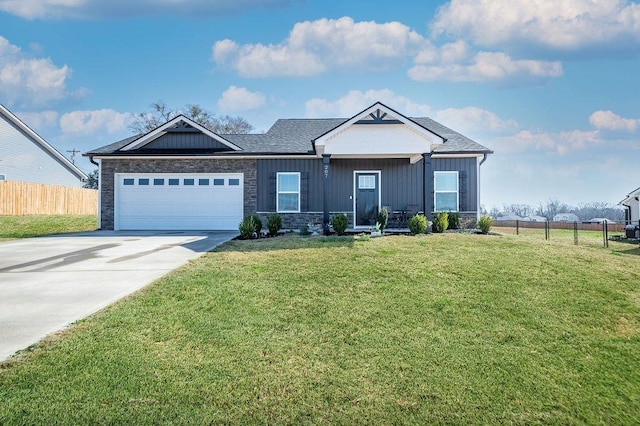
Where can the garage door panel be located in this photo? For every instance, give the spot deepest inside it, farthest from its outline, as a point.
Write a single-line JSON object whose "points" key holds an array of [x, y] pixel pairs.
{"points": [[179, 207]]}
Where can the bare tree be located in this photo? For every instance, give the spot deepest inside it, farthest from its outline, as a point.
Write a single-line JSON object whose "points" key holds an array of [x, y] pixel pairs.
{"points": [[160, 113]]}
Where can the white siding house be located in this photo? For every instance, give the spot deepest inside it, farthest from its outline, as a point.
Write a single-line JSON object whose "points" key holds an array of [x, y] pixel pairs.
{"points": [[26, 157], [632, 205], [565, 217]]}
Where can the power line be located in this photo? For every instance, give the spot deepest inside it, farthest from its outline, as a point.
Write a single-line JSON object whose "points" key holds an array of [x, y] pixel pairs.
{"points": [[73, 155]]}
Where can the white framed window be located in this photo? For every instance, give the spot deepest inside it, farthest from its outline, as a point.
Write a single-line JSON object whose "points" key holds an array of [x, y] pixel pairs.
{"points": [[288, 192], [367, 182], [445, 191]]}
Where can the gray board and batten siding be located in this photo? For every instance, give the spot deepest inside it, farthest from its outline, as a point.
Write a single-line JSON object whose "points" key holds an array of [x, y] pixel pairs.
{"points": [[186, 141], [402, 183]]}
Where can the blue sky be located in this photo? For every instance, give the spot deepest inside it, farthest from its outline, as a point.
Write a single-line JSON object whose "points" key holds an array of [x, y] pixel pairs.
{"points": [[552, 87]]}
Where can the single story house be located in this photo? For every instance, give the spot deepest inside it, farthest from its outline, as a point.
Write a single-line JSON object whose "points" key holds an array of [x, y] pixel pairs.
{"points": [[26, 157], [183, 176], [631, 205], [508, 216], [565, 217], [534, 218]]}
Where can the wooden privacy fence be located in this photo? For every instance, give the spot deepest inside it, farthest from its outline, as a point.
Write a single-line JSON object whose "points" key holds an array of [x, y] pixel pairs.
{"points": [[24, 198]]}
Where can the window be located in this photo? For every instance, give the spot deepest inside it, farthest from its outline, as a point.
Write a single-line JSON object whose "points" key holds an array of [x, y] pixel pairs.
{"points": [[128, 181], [234, 182], [174, 182], [446, 191], [203, 182], [158, 182], [366, 182], [144, 181], [288, 192], [218, 182], [189, 182]]}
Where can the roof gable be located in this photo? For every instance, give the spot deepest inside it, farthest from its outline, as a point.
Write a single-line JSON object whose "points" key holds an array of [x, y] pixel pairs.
{"points": [[378, 131], [41, 143], [157, 139]]}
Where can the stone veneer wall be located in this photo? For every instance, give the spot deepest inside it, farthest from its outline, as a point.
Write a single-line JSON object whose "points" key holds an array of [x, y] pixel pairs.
{"points": [[110, 167], [295, 221]]}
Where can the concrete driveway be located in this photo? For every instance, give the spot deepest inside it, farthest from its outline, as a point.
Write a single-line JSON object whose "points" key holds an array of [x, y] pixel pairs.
{"points": [[49, 282]]}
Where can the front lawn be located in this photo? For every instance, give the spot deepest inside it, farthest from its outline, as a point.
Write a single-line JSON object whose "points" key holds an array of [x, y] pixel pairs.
{"points": [[464, 329], [12, 227]]}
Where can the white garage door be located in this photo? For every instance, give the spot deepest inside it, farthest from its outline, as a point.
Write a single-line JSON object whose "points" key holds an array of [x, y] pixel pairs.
{"points": [[178, 201]]}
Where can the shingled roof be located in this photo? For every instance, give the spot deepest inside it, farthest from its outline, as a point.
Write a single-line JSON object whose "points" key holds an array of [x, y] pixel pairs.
{"points": [[296, 136]]}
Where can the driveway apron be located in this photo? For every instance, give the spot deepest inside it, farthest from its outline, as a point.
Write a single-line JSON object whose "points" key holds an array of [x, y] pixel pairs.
{"points": [[48, 283]]}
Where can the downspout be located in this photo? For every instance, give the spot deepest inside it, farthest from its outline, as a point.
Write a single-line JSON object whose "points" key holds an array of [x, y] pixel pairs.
{"points": [[484, 158], [99, 190]]}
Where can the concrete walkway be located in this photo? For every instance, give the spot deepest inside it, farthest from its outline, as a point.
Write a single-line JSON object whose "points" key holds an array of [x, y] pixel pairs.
{"points": [[48, 283]]}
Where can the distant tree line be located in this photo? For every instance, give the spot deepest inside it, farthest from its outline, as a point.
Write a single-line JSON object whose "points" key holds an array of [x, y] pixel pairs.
{"points": [[552, 207]]}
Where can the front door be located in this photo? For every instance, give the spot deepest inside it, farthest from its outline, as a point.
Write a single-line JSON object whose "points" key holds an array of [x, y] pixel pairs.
{"points": [[366, 198]]}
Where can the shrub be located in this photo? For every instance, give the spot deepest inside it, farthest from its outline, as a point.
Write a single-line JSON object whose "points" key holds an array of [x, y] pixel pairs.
{"points": [[258, 223], [484, 224], [274, 223], [383, 218], [454, 221], [250, 227], [418, 224], [339, 223], [441, 222]]}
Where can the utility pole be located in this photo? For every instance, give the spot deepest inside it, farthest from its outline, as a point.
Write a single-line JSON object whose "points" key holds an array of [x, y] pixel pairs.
{"points": [[73, 155]]}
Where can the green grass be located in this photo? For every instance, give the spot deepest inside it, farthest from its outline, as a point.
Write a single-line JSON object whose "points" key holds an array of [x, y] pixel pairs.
{"points": [[12, 227], [463, 329]]}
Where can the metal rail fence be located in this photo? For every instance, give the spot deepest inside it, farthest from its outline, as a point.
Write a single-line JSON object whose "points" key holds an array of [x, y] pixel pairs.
{"points": [[580, 232]]}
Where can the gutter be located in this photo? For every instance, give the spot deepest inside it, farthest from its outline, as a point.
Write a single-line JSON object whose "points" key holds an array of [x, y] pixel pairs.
{"points": [[93, 161]]}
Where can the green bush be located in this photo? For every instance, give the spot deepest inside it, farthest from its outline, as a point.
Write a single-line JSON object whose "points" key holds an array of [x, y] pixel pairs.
{"points": [[250, 227], [274, 223], [247, 227], [441, 222], [383, 218], [454, 221], [484, 224], [340, 223], [258, 223], [418, 224]]}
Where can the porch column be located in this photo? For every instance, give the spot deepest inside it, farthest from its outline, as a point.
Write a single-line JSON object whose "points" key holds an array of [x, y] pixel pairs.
{"points": [[326, 159], [427, 185]]}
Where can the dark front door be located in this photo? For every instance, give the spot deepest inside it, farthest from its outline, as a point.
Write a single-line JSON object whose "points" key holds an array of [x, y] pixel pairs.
{"points": [[367, 198]]}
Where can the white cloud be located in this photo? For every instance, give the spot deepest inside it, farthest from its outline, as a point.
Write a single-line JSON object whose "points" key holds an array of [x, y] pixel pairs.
{"points": [[240, 99], [486, 66], [474, 120], [30, 81], [561, 143], [326, 45], [611, 121], [318, 46], [46, 9], [39, 120], [356, 101], [561, 25], [88, 122]]}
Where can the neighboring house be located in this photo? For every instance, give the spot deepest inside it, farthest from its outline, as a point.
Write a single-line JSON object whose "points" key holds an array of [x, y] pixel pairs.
{"points": [[601, 220], [183, 176], [565, 217], [508, 216], [632, 206], [534, 218], [26, 157]]}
